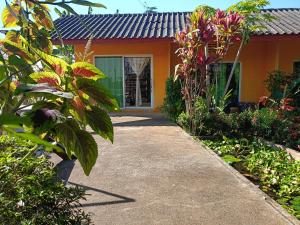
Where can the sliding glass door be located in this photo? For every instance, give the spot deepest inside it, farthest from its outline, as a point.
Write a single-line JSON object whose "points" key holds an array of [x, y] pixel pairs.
{"points": [[137, 78], [128, 78]]}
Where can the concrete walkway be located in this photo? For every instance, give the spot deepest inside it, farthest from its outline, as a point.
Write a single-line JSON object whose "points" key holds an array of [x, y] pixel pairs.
{"points": [[155, 173]]}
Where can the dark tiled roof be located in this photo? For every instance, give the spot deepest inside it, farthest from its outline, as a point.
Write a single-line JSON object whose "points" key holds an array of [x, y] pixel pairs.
{"points": [[158, 25], [287, 22]]}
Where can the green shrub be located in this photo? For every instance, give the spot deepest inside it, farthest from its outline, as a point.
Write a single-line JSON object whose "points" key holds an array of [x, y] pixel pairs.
{"points": [[276, 83], [245, 121], [31, 193], [263, 121], [173, 102], [183, 120]]}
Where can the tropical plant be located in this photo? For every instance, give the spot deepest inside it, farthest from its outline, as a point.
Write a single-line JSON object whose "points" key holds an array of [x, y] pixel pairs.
{"points": [[251, 12], [276, 83], [207, 26], [173, 102], [60, 97], [30, 191]]}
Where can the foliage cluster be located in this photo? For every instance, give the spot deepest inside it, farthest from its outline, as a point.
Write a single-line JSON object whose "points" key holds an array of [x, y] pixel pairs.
{"points": [[173, 102], [282, 85], [31, 193], [267, 123], [60, 97]]}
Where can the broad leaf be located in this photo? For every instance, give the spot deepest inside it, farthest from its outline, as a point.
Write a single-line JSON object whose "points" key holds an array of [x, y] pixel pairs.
{"points": [[42, 18], [45, 104], [88, 3], [78, 110], [11, 119], [79, 142], [87, 151], [20, 65], [42, 89], [86, 70], [100, 122], [50, 78], [99, 93], [17, 49], [30, 137], [9, 14], [67, 8], [13, 36], [56, 64], [230, 159]]}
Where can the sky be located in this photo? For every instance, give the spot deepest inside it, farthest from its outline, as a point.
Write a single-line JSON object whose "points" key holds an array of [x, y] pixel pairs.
{"points": [[135, 6]]}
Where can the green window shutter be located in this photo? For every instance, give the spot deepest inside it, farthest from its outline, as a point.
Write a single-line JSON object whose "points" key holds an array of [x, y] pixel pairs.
{"points": [[222, 73], [112, 67], [221, 80], [237, 76]]}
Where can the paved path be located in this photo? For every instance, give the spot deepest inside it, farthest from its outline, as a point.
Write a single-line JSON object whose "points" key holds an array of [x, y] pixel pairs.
{"points": [[155, 173]]}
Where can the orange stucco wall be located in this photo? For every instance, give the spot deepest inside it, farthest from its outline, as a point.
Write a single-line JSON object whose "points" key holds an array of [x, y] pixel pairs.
{"points": [[259, 56], [159, 49]]}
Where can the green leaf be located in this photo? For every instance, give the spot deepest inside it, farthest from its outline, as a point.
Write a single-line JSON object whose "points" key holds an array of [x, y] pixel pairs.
{"points": [[100, 122], [30, 137], [30, 89], [12, 119], [230, 159], [88, 3], [79, 142], [20, 64], [295, 203], [98, 92], [67, 8], [86, 70]]}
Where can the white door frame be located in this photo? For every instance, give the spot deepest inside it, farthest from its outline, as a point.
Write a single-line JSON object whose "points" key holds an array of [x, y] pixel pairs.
{"points": [[151, 74]]}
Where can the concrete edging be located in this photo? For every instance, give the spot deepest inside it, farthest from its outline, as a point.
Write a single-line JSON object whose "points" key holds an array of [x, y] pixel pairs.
{"points": [[271, 202]]}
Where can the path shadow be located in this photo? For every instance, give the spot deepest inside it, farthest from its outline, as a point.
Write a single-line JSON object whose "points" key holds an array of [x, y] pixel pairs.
{"points": [[122, 200], [64, 169]]}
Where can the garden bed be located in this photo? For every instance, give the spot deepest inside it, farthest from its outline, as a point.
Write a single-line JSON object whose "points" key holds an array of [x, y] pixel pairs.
{"points": [[270, 168]]}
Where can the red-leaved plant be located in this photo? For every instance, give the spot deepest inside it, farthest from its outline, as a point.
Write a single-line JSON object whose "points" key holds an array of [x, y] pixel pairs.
{"points": [[207, 27]]}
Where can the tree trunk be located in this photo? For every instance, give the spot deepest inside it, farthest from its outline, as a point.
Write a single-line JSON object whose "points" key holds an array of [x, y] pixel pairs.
{"points": [[237, 57], [207, 78]]}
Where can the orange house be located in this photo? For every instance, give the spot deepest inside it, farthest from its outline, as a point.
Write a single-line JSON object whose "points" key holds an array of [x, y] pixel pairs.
{"points": [[137, 53]]}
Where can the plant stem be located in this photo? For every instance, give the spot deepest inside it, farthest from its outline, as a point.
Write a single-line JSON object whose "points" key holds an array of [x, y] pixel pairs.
{"points": [[16, 108], [234, 66], [32, 150]]}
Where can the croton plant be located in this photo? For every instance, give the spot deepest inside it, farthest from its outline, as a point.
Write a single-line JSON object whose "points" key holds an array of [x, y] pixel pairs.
{"points": [[46, 96]]}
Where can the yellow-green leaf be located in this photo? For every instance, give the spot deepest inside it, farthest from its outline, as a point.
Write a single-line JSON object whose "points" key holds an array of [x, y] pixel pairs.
{"points": [[16, 49], [8, 17], [42, 18], [86, 70], [50, 78], [58, 65], [13, 36]]}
